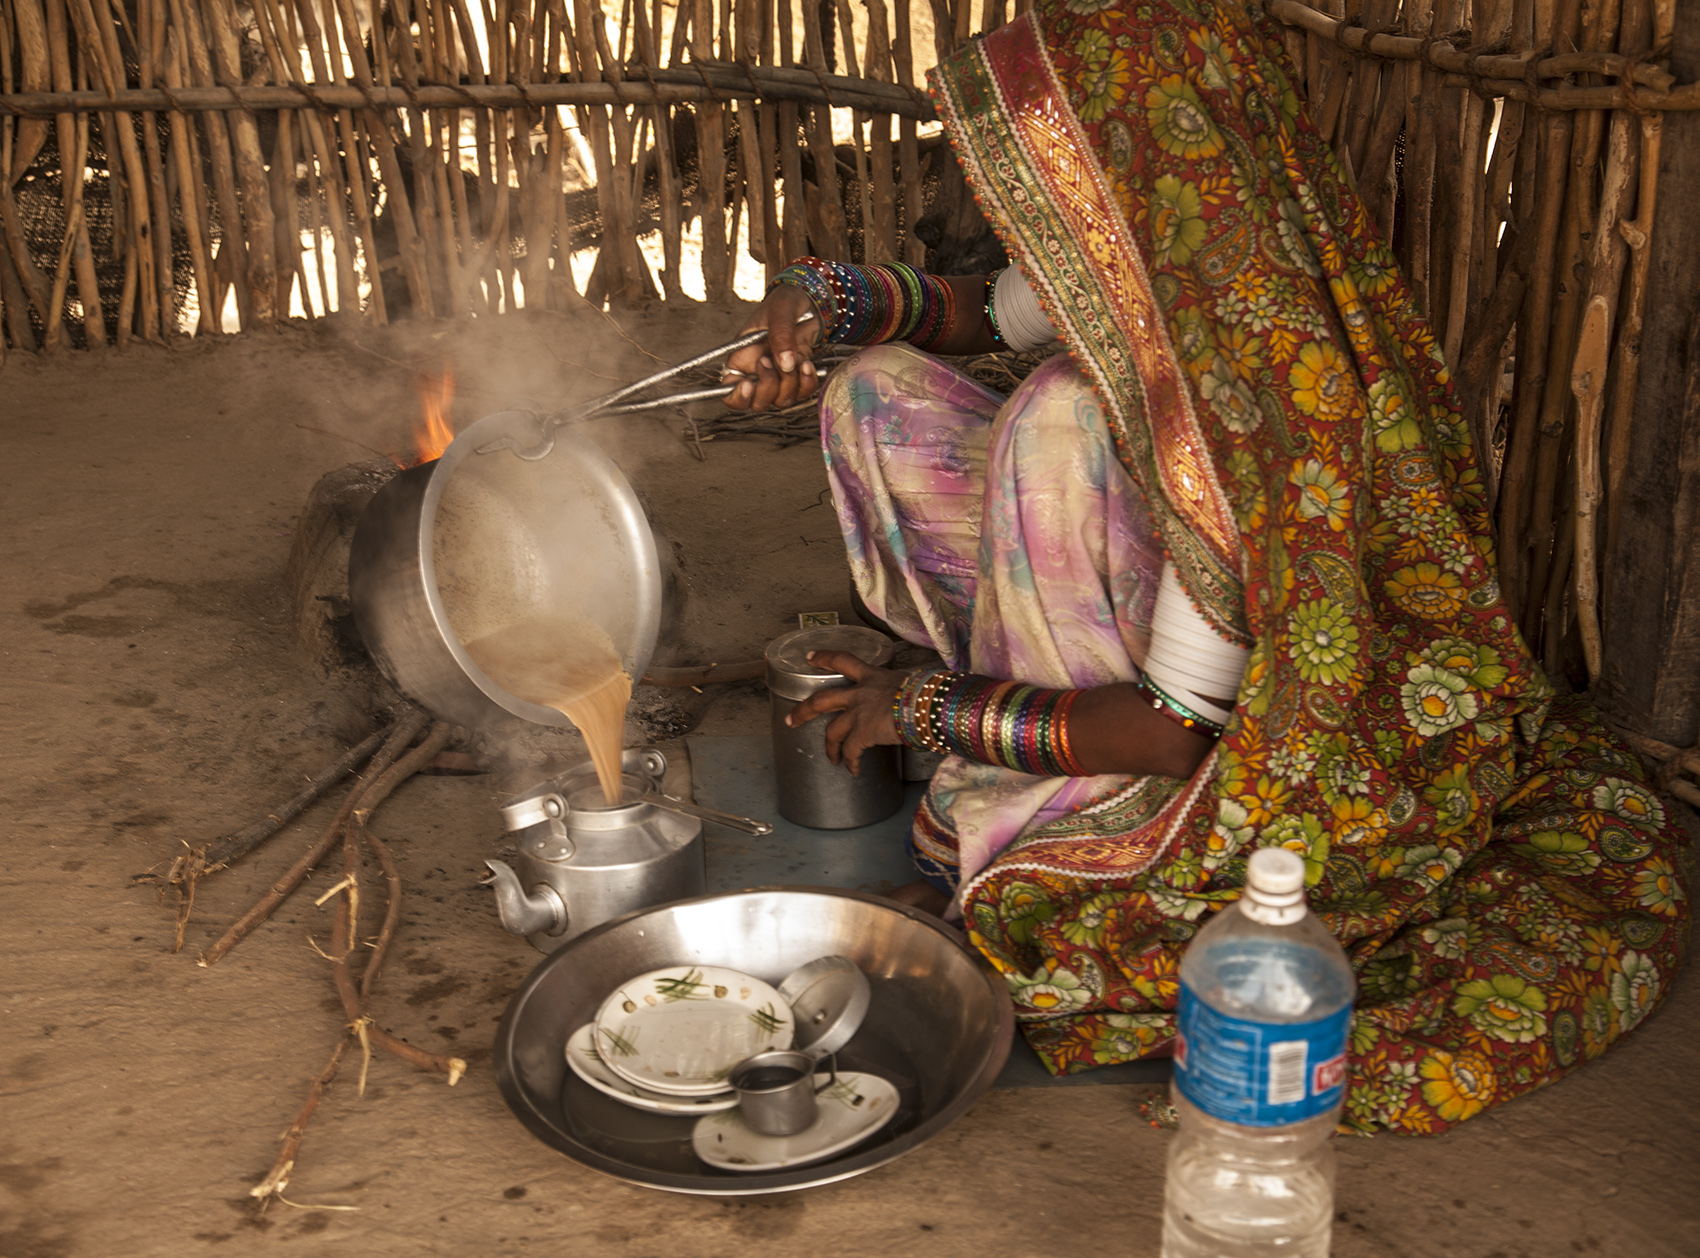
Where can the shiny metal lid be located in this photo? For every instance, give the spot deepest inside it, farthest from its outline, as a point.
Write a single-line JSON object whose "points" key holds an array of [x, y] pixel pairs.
{"points": [[829, 998]]}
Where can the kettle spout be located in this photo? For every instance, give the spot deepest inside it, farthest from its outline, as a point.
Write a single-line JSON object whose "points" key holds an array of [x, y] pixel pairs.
{"points": [[541, 912]]}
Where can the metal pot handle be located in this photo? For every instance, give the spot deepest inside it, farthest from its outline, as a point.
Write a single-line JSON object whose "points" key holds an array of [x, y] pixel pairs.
{"points": [[832, 1065], [654, 763]]}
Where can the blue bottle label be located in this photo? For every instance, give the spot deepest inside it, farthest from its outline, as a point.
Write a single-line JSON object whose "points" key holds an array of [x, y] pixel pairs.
{"points": [[1259, 1074]]}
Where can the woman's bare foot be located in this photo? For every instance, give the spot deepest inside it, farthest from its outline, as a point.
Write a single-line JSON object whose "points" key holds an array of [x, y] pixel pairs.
{"points": [[922, 895]]}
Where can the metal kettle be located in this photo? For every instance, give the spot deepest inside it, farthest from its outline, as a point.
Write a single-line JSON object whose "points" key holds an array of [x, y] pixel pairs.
{"points": [[582, 863]]}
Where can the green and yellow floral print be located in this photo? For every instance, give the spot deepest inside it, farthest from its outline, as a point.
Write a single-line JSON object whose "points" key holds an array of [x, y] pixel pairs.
{"points": [[1505, 881]]}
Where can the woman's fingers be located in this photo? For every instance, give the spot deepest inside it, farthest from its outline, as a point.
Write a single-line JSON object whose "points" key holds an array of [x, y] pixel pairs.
{"points": [[841, 748], [853, 667], [836, 699], [777, 372]]}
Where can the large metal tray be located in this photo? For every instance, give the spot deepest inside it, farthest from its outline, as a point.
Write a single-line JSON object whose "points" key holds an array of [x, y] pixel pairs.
{"points": [[939, 1026]]}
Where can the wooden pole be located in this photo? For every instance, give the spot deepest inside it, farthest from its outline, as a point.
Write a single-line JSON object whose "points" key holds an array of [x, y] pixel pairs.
{"points": [[35, 73], [82, 258]]}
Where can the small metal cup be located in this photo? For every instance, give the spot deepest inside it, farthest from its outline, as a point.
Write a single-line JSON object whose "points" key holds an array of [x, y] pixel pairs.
{"points": [[776, 1091]]}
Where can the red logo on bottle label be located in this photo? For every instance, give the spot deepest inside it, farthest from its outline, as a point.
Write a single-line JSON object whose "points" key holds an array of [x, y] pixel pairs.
{"points": [[1180, 1050], [1328, 1075]]}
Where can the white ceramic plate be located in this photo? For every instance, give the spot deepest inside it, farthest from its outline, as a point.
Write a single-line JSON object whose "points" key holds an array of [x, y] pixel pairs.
{"points": [[850, 1111], [587, 1064], [681, 1030]]}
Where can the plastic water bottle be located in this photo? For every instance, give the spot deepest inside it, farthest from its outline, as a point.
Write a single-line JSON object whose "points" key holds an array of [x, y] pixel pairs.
{"points": [[1260, 1068]]}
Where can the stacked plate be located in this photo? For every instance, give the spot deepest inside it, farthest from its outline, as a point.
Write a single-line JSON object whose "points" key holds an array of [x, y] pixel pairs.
{"points": [[668, 1040]]}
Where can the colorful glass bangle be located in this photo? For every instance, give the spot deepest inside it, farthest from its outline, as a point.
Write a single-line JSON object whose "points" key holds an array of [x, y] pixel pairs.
{"points": [[870, 305], [1166, 705], [991, 311], [1005, 723]]}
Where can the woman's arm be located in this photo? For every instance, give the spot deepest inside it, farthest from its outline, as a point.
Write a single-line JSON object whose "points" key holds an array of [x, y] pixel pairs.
{"points": [[779, 373], [1112, 729]]}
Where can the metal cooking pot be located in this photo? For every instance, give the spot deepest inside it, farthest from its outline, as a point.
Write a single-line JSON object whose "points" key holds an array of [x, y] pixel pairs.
{"points": [[468, 544]]}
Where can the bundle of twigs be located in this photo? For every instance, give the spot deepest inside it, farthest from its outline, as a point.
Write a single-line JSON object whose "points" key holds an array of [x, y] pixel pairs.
{"points": [[391, 756]]}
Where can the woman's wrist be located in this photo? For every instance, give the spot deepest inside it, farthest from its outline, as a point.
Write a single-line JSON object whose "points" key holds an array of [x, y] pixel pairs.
{"points": [[1017, 726], [870, 305]]}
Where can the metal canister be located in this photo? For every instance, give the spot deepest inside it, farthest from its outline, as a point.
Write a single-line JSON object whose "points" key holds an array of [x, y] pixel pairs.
{"points": [[813, 791]]}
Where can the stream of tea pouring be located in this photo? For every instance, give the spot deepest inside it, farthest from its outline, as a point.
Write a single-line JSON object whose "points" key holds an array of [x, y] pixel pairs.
{"points": [[567, 663]]}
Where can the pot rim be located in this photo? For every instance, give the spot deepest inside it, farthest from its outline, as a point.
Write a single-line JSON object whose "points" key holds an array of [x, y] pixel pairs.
{"points": [[630, 520]]}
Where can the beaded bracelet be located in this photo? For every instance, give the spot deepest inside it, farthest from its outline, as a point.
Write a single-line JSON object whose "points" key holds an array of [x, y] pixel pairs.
{"points": [[1004, 723], [870, 305], [991, 319], [1166, 705]]}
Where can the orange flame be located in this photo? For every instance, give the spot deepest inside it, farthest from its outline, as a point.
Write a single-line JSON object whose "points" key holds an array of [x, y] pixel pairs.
{"points": [[433, 434]]}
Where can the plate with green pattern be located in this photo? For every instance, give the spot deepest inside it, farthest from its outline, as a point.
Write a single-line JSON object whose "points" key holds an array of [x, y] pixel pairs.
{"points": [[681, 1030], [588, 1065]]}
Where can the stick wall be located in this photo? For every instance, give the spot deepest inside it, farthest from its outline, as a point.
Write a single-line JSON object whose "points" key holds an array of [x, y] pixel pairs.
{"points": [[257, 158]]}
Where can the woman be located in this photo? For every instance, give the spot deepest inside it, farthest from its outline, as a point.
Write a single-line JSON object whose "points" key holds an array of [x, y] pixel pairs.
{"points": [[1233, 547]]}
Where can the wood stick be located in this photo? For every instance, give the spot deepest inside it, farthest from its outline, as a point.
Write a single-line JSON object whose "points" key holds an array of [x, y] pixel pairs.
{"points": [[392, 910], [1638, 235], [329, 70], [620, 224], [232, 848], [382, 775], [422, 193], [102, 41], [277, 1179], [1588, 376], [376, 131], [1466, 246], [670, 87], [35, 74], [325, 173], [1557, 609], [835, 241], [711, 164], [666, 170], [908, 151], [192, 197], [1556, 402], [82, 259], [151, 18], [1445, 57], [281, 177], [364, 1028], [1532, 349], [1684, 761], [186, 18], [1421, 92], [73, 226]]}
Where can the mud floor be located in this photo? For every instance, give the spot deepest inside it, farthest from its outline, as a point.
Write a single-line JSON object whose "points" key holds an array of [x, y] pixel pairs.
{"points": [[153, 698]]}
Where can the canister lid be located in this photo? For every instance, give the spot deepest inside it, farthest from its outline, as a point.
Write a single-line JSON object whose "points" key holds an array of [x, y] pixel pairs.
{"points": [[829, 997], [789, 654]]}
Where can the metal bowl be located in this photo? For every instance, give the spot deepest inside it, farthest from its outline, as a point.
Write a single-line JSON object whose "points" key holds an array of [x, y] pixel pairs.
{"points": [[472, 542], [938, 1027]]}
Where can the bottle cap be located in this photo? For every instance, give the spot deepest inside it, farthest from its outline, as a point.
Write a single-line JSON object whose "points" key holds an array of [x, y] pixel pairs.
{"points": [[1275, 871], [1274, 887]]}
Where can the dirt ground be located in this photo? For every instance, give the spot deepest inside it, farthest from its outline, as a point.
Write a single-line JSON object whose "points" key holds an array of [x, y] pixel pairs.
{"points": [[152, 697]]}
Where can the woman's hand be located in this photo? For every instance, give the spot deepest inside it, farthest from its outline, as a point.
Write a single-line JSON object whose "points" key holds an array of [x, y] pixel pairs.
{"points": [[864, 710], [778, 373]]}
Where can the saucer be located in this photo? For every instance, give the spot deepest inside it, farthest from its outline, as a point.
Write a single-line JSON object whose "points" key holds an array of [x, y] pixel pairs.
{"points": [[850, 1111], [588, 1065], [681, 1030]]}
